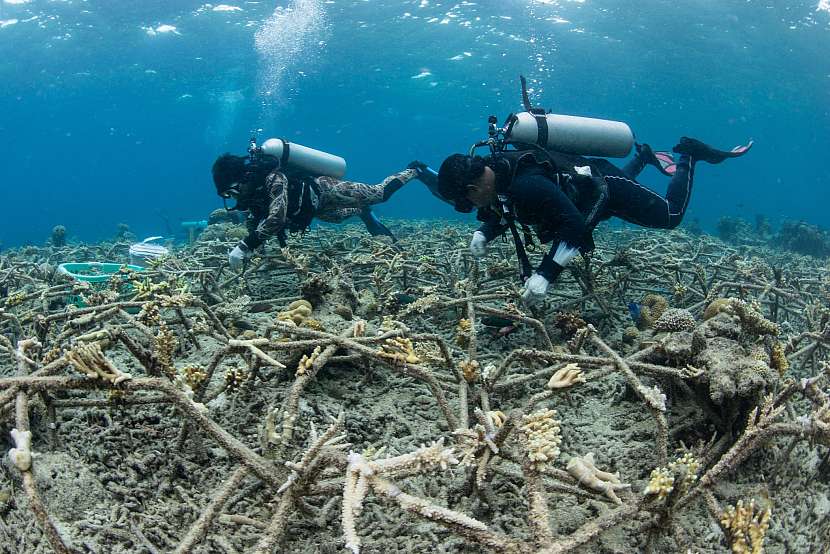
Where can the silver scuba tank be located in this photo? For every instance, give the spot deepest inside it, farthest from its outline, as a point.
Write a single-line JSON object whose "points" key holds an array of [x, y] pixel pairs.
{"points": [[571, 134], [307, 159]]}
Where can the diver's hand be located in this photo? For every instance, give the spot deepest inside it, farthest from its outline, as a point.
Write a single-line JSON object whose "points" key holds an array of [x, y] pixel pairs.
{"points": [[417, 165], [535, 290], [478, 245], [237, 256]]}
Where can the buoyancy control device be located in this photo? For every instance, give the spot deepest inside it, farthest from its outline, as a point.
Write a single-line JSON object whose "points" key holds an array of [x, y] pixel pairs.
{"points": [[302, 158]]}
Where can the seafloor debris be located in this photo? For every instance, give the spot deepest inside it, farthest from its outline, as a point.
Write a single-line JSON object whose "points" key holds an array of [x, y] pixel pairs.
{"points": [[187, 408]]}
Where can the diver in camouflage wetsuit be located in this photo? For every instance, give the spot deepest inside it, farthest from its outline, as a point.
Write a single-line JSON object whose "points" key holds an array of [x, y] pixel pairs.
{"points": [[279, 200]]}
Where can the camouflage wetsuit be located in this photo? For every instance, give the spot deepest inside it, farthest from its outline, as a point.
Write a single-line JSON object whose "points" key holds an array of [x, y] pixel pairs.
{"points": [[328, 199]]}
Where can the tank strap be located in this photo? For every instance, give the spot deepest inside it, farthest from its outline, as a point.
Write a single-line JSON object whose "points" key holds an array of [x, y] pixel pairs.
{"points": [[542, 128], [525, 268], [286, 151]]}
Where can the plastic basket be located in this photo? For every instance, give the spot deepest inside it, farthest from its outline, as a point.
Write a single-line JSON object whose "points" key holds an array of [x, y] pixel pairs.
{"points": [[96, 273]]}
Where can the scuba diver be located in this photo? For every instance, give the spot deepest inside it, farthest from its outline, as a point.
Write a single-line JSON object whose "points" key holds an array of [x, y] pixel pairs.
{"points": [[563, 196], [284, 186]]}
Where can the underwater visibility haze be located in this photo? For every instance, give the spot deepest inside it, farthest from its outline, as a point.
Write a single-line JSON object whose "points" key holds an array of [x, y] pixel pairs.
{"points": [[112, 112], [394, 379]]}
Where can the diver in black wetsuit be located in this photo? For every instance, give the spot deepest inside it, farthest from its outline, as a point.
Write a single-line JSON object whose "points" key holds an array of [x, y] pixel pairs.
{"points": [[563, 197]]}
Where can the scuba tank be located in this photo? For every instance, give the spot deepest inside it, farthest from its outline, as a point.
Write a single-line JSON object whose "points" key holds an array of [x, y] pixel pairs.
{"points": [[571, 134], [309, 160]]}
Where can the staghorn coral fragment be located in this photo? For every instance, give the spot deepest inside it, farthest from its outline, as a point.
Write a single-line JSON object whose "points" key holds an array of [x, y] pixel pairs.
{"points": [[584, 470], [399, 349], [193, 375], [778, 359], [463, 332], [235, 377], [89, 359], [307, 361], [470, 370], [361, 474], [566, 377], [752, 321], [746, 527], [164, 346], [661, 483]]}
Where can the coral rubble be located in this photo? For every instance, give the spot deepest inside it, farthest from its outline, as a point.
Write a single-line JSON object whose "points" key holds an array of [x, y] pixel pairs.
{"points": [[346, 394]]}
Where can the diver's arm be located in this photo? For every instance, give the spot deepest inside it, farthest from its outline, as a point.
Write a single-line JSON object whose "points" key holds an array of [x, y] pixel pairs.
{"points": [[539, 200], [259, 230], [492, 224], [429, 177]]}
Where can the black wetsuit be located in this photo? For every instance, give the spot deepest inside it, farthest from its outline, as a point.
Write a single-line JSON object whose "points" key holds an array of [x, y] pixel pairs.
{"points": [[557, 217]]}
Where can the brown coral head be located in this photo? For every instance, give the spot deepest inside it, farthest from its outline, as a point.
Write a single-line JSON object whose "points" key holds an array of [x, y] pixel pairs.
{"points": [[568, 323], [717, 306]]}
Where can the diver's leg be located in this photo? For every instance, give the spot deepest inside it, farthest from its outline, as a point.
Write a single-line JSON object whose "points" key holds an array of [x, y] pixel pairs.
{"points": [[631, 201], [369, 219], [636, 165], [351, 194], [337, 216]]}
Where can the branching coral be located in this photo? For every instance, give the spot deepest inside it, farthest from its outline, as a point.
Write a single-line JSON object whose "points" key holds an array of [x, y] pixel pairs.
{"points": [[399, 349], [542, 437], [89, 359], [307, 361], [362, 474], [568, 323], [164, 349], [731, 352], [680, 476], [661, 483], [235, 377], [747, 526], [463, 332], [470, 370]]}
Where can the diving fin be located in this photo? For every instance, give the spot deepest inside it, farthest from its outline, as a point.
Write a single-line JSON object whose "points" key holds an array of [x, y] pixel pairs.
{"points": [[663, 161], [374, 226], [703, 152]]}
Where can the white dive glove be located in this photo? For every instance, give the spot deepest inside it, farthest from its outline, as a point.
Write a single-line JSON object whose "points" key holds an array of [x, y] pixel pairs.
{"points": [[478, 245], [237, 257], [536, 287]]}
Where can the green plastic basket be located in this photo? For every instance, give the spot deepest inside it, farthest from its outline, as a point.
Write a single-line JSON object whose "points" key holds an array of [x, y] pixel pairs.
{"points": [[96, 273]]}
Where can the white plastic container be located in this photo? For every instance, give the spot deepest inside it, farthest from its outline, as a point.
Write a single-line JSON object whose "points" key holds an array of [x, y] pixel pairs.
{"points": [[584, 136], [142, 252]]}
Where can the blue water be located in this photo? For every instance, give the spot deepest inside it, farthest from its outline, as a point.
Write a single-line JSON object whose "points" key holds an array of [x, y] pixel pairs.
{"points": [[114, 110]]}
